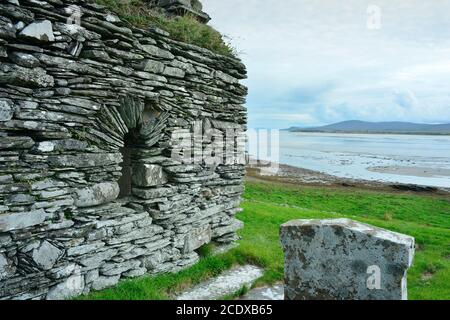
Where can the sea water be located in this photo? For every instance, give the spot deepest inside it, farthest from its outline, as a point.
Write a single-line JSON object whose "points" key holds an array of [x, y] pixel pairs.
{"points": [[425, 160]]}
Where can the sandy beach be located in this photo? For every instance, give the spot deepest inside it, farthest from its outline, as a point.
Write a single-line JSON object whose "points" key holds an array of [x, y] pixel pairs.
{"points": [[268, 171], [412, 171], [390, 159]]}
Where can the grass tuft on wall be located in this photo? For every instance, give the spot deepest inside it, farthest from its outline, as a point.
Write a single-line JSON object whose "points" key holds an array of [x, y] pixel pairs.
{"points": [[187, 29]]}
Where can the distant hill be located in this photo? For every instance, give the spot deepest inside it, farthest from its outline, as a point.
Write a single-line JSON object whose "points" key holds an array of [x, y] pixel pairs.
{"points": [[354, 126]]}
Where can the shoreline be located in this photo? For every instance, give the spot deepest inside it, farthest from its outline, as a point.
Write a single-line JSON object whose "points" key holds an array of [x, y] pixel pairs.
{"points": [[418, 133], [300, 176], [423, 172]]}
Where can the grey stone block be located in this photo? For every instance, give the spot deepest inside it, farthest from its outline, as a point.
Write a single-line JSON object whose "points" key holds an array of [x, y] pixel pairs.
{"points": [[17, 75], [21, 220], [39, 31], [97, 194], [197, 237], [105, 282], [71, 287], [24, 59], [149, 175], [46, 255], [341, 259], [151, 66], [6, 109], [7, 268]]}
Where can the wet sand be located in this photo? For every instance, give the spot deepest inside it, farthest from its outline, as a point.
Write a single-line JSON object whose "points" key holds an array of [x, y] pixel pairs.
{"points": [[391, 159], [413, 171], [294, 175]]}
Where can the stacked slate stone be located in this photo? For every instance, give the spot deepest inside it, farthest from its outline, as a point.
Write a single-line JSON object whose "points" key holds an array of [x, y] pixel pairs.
{"points": [[182, 7], [71, 97]]}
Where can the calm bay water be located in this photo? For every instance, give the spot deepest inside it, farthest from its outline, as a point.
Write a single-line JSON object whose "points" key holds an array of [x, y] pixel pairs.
{"points": [[423, 160]]}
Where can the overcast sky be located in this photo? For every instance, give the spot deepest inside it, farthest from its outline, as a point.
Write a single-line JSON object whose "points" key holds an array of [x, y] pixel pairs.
{"points": [[313, 62]]}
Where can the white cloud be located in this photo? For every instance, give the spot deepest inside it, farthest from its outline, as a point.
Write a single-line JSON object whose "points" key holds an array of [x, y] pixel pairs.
{"points": [[304, 45], [406, 99], [293, 117], [417, 72]]}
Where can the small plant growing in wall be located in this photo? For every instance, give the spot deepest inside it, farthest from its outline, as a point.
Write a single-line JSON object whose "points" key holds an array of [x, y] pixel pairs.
{"points": [[68, 214]]}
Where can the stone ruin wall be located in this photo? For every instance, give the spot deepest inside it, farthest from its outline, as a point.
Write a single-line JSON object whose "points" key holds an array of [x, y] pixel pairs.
{"points": [[71, 98]]}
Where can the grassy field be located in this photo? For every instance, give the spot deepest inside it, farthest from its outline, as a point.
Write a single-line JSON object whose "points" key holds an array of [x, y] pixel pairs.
{"points": [[266, 206]]}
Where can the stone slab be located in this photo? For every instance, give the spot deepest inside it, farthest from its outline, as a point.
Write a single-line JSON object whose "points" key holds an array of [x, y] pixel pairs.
{"points": [[341, 259], [273, 293], [148, 175], [197, 237], [21, 220], [228, 283], [97, 194]]}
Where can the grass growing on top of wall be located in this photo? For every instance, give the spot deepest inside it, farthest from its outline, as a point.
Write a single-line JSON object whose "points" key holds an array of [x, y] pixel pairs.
{"points": [[186, 29], [267, 206]]}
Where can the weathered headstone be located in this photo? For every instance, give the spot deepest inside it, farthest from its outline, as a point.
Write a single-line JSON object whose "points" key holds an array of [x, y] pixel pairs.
{"points": [[341, 259]]}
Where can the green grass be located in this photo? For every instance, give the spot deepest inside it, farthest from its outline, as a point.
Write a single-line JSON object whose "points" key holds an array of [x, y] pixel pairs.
{"points": [[266, 206], [186, 29]]}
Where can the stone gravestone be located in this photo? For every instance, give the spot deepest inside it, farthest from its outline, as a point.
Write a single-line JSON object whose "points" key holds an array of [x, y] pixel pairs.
{"points": [[341, 259]]}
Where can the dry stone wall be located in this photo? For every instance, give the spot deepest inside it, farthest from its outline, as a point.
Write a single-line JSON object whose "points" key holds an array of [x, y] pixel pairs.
{"points": [[121, 150]]}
